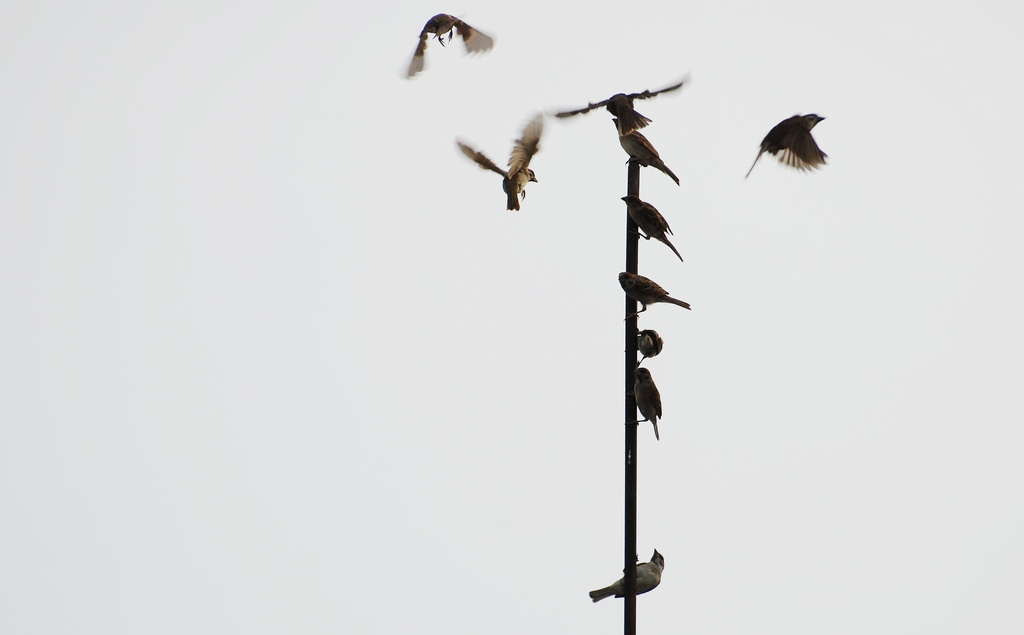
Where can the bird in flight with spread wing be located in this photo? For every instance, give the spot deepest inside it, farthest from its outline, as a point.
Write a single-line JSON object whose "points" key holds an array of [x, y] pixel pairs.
{"points": [[519, 173], [441, 24], [621, 107], [792, 143]]}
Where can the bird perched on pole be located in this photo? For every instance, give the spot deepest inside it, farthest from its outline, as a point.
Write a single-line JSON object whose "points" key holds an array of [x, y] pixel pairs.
{"points": [[621, 107], [646, 291], [519, 173], [792, 143], [649, 343], [648, 399], [650, 221], [640, 149], [648, 576], [441, 24]]}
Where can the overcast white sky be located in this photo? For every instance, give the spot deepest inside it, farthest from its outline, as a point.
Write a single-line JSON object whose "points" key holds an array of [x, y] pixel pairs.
{"points": [[275, 359]]}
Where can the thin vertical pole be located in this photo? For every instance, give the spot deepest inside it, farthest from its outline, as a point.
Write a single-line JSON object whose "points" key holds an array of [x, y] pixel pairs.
{"points": [[629, 548]]}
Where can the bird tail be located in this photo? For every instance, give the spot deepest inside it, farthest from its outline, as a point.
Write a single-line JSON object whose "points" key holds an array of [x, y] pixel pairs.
{"points": [[600, 594], [673, 248], [754, 163], [631, 120], [685, 305], [513, 200], [664, 168], [656, 435]]}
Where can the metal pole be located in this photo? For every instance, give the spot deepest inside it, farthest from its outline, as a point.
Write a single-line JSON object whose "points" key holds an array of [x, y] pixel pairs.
{"points": [[629, 548]]}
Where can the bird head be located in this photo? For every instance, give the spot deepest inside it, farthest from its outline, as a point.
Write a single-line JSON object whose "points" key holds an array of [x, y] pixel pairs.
{"points": [[625, 279], [812, 120], [658, 559], [533, 177], [632, 201], [642, 374]]}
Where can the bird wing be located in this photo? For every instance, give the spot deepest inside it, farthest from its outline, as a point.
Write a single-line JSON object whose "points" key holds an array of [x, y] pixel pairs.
{"points": [[479, 157], [475, 41], [648, 94], [589, 107], [800, 151], [416, 65], [526, 146]]}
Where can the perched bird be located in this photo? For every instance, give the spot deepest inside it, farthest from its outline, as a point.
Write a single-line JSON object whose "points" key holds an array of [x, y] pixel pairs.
{"points": [[648, 399], [648, 576], [441, 24], [650, 221], [621, 107], [793, 139], [519, 173], [640, 149], [646, 291], [649, 343]]}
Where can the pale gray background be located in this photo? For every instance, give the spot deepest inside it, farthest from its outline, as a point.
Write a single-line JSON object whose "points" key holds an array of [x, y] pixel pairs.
{"points": [[275, 359]]}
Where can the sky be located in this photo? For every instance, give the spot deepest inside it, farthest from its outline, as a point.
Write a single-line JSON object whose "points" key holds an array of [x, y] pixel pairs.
{"points": [[274, 358]]}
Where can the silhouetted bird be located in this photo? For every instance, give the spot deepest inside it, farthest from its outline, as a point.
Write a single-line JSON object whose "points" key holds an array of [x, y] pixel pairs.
{"points": [[649, 343], [646, 291], [792, 138], [639, 148], [648, 576], [621, 107], [519, 172], [650, 221], [648, 399], [441, 24]]}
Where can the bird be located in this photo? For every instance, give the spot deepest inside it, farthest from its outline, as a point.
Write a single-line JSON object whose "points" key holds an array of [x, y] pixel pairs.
{"points": [[646, 291], [519, 172], [621, 107], [439, 25], [648, 576], [640, 149], [649, 343], [793, 139], [648, 399], [650, 220]]}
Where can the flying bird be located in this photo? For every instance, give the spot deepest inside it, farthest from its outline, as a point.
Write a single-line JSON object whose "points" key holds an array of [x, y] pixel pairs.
{"points": [[648, 576], [621, 107], [648, 399], [650, 221], [646, 291], [519, 173], [792, 138], [441, 24], [640, 149], [649, 343]]}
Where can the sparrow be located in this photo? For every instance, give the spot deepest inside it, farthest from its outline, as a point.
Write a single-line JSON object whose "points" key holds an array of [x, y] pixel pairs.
{"points": [[650, 220], [441, 24], [621, 107], [793, 139], [649, 343], [648, 399], [640, 149], [648, 576], [646, 291], [519, 173]]}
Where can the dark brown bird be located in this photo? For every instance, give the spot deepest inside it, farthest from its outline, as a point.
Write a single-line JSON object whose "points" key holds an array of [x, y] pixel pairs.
{"points": [[649, 343], [650, 221], [621, 107], [519, 172], [648, 399], [792, 138], [640, 149], [646, 291], [440, 25]]}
